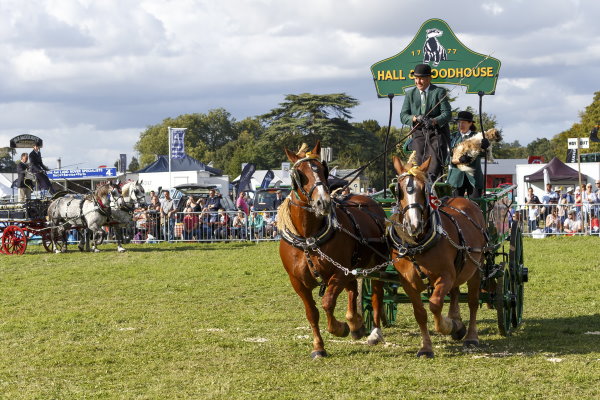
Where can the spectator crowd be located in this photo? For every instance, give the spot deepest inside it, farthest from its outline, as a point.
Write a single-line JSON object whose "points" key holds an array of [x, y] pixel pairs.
{"points": [[562, 211]]}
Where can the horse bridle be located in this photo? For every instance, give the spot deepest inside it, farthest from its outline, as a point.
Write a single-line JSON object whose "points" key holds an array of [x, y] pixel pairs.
{"points": [[297, 177], [410, 188]]}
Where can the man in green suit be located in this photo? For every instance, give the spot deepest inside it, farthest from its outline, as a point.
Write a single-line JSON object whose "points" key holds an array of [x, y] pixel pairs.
{"points": [[427, 109], [462, 181]]}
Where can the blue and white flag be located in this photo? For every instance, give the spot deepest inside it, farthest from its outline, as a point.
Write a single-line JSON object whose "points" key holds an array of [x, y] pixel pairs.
{"points": [[177, 146], [267, 179]]}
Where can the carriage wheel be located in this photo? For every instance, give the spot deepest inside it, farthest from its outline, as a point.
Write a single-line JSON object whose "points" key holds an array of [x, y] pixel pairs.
{"points": [[519, 273], [14, 240], [47, 241], [504, 300]]}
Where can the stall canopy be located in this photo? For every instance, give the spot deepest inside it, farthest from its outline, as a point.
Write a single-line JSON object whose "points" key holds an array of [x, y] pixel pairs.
{"points": [[186, 163], [557, 171]]}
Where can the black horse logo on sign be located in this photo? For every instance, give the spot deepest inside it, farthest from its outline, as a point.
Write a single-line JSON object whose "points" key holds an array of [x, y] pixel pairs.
{"points": [[433, 51]]}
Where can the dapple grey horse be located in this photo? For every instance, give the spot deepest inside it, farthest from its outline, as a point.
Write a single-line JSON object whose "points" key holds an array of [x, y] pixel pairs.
{"points": [[132, 196], [89, 213]]}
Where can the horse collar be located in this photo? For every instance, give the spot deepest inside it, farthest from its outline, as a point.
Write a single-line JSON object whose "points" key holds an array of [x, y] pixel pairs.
{"points": [[309, 243]]}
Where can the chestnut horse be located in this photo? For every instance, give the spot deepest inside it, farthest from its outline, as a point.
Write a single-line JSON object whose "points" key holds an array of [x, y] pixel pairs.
{"points": [[443, 242], [325, 241]]}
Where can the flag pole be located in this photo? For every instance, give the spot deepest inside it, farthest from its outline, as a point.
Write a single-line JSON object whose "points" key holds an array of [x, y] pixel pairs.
{"points": [[169, 155]]}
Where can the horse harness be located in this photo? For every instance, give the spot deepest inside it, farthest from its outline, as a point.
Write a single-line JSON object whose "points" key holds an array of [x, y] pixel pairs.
{"points": [[435, 231], [308, 244]]}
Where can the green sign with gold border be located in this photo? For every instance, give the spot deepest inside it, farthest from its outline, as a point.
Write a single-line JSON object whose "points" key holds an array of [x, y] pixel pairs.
{"points": [[452, 63]]}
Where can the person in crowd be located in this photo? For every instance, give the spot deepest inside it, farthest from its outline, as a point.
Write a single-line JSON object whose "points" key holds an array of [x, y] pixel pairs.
{"points": [[153, 216], [37, 167], [552, 222], [194, 204], [549, 201], [238, 226], [256, 225], [570, 195], [23, 184], [140, 218], [572, 224], [346, 191], [269, 224], [213, 203], [562, 206], [153, 195], [278, 199], [427, 109], [589, 200], [594, 224], [190, 223], [463, 182], [532, 202], [578, 201], [167, 216], [222, 226], [597, 189], [205, 224], [241, 203]]}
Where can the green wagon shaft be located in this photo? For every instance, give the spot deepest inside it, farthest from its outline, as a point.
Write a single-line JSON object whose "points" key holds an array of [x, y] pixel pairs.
{"points": [[503, 273]]}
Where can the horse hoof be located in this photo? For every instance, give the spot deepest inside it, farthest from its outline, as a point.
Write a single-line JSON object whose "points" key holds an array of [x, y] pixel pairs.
{"points": [[426, 354], [96, 251], [121, 250], [375, 337], [346, 330], [471, 343], [318, 354], [360, 333], [458, 331]]}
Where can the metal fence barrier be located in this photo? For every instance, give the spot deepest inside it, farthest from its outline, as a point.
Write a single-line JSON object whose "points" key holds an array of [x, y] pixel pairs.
{"points": [[541, 220], [148, 227]]}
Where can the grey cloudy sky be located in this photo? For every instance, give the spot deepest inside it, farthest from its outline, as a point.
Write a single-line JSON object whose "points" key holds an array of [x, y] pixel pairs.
{"points": [[88, 76]]}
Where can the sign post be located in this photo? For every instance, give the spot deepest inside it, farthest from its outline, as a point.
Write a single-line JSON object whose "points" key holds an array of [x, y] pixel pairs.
{"points": [[578, 143], [452, 63]]}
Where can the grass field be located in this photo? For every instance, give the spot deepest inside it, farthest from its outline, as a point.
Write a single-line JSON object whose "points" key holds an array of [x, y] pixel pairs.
{"points": [[221, 321]]}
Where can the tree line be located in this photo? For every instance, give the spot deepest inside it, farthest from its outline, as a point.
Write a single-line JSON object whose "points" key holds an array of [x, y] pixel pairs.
{"points": [[218, 137]]}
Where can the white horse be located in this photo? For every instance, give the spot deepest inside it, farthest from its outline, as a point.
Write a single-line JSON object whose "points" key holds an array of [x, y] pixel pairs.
{"points": [[89, 213], [132, 196]]}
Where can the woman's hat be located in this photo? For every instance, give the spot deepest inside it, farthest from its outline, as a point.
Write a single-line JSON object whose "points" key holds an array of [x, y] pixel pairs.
{"points": [[422, 70], [464, 116]]}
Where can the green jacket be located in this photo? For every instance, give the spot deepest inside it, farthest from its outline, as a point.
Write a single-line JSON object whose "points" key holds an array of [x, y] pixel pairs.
{"points": [[455, 175], [442, 113]]}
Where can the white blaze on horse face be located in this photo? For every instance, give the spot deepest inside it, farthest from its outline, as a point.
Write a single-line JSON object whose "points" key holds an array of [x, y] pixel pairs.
{"points": [[320, 198], [413, 215]]}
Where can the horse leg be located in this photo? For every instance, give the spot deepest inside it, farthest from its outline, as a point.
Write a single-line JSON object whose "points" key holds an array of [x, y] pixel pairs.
{"points": [[458, 327], [312, 315], [443, 324], [376, 335], [335, 327], [454, 309], [119, 236], [473, 284], [355, 321], [420, 313]]}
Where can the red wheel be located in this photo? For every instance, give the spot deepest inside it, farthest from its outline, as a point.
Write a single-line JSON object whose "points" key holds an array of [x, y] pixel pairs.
{"points": [[14, 240]]}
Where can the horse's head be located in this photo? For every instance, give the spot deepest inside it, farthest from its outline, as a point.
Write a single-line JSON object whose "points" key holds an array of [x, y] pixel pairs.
{"points": [[133, 195], [412, 195], [309, 179]]}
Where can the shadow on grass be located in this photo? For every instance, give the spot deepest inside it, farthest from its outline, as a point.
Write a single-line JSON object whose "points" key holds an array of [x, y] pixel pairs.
{"points": [[183, 247], [562, 335]]}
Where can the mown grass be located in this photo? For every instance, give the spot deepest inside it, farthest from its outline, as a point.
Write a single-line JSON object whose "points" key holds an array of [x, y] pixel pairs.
{"points": [[222, 321]]}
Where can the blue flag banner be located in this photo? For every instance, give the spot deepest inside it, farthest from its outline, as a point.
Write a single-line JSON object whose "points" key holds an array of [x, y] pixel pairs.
{"points": [[244, 182], [177, 146], [267, 179]]}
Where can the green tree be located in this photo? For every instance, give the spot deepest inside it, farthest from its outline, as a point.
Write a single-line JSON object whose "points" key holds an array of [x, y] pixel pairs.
{"points": [[306, 118], [205, 133], [134, 165], [588, 119], [6, 160]]}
